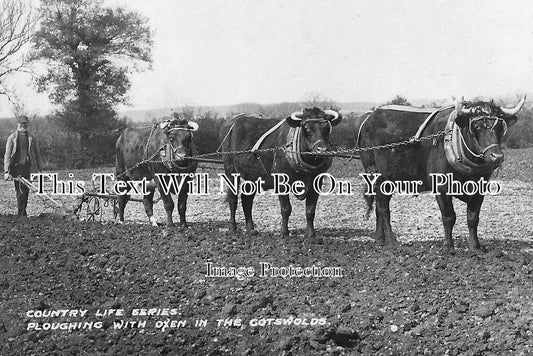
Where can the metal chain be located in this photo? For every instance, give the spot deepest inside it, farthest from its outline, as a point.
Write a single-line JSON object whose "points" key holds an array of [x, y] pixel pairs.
{"points": [[412, 140], [339, 150], [348, 152]]}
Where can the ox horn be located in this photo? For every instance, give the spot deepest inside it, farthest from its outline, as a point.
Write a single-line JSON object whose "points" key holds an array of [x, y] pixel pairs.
{"points": [[295, 117], [516, 109], [336, 117], [193, 125], [460, 110], [332, 112]]}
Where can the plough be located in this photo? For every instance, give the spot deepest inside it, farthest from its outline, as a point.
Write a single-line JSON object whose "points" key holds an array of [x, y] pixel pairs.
{"points": [[96, 203], [47, 199]]}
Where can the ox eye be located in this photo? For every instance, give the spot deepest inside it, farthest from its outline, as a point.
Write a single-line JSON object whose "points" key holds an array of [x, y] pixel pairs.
{"points": [[479, 125], [500, 128]]}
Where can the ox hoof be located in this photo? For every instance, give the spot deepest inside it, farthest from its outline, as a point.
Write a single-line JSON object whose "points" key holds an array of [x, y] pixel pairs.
{"points": [[393, 243], [316, 240], [310, 233], [448, 250], [252, 232], [184, 226], [391, 239], [232, 230], [153, 221], [480, 250], [120, 222]]}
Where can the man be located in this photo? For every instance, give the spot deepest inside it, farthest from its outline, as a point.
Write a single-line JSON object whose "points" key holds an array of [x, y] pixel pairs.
{"points": [[21, 158]]}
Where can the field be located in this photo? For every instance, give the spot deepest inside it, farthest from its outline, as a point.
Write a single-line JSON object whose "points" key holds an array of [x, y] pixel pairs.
{"points": [[412, 299]]}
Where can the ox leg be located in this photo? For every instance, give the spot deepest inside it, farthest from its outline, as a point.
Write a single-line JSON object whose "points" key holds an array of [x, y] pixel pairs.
{"points": [[148, 202], [122, 201], [247, 202], [231, 198], [448, 219], [384, 234], [286, 210], [310, 208], [473, 208], [182, 204], [168, 203], [380, 234]]}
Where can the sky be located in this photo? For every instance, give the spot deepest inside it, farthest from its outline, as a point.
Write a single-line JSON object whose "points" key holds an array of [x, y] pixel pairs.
{"points": [[222, 52]]}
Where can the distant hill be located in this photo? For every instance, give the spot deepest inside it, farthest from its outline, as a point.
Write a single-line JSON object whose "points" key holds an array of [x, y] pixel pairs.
{"points": [[228, 110], [356, 106]]}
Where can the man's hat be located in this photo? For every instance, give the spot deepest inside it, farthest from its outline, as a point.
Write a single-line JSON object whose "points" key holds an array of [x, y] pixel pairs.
{"points": [[22, 119]]}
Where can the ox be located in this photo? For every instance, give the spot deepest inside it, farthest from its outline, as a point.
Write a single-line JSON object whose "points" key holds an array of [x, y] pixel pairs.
{"points": [[469, 149], [300, 135], [145, 152]]}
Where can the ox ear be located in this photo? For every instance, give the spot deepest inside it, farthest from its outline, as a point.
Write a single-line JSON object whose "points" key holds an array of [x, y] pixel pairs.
{"points": [[461, 118], [333, 117], [294, 120], [193, 126], [510, 120], [510, 114]]}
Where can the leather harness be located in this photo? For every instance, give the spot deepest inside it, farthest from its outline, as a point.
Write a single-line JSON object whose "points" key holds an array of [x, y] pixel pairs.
{"points": [[454, 146]]}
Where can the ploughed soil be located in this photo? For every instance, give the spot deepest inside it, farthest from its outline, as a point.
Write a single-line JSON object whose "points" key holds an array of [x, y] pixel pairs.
{"points": [[102, 280]]}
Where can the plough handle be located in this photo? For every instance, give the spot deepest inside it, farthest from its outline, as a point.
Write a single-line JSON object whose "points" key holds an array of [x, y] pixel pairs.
{"points": [[34, 189]]}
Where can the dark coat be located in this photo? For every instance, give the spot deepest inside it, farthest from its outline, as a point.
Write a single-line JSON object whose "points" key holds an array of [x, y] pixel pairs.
{"points": [[33, 152]]}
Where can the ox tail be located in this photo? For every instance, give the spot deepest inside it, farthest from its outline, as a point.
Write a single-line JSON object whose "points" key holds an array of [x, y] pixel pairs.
{"points": [[369, 204], [120, 167], [226, 197]]}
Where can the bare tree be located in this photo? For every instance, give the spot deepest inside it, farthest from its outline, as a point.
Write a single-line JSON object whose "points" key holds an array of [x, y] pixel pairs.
{"points": [[17, 24], [399, 100], [265, 111], [186, 112], [319, 100]]}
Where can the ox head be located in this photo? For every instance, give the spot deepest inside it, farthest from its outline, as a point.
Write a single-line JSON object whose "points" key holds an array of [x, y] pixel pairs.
{"points": [[179, 134], [485, 124], [316, 125]]}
